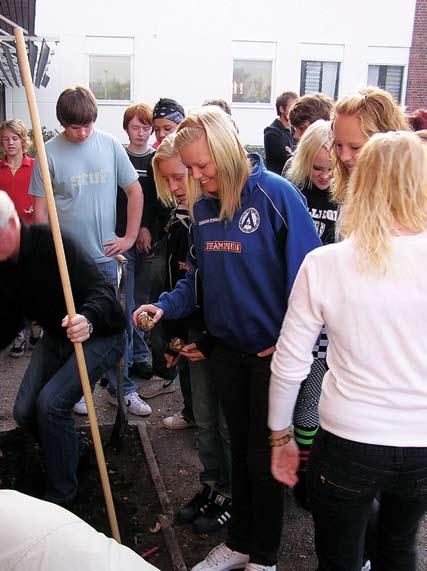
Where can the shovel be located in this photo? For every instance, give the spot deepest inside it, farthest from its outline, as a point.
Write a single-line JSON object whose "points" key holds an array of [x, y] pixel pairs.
{"points": [[117, 435]]}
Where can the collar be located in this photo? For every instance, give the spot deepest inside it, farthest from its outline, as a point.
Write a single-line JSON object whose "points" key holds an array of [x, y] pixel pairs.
{"points": [[26, 162]]}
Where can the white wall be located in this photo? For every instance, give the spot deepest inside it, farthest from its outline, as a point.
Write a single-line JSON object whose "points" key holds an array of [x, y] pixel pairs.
{"points": [[185, 49]]}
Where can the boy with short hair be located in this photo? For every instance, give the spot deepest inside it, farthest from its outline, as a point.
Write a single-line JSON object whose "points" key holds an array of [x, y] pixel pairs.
{"points": [[86, 165], [138, 124]]}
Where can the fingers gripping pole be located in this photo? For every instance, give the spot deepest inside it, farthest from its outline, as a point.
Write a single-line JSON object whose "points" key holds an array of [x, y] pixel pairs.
{"points": [[63, 270]]}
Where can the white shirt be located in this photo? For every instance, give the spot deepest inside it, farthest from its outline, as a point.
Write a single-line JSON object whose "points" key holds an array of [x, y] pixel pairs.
{"points": [[40, 536], [376, 388]]}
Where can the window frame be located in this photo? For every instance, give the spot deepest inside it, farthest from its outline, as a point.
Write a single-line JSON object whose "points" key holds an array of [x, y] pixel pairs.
{"points": [[113, 55], [387, 65], [255, 104], [303, 75]]}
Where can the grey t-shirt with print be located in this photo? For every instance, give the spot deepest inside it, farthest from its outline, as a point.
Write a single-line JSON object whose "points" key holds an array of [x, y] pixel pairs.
{"points": [[85, 177]]}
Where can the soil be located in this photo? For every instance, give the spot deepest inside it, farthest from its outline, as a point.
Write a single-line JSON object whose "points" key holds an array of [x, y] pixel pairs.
{"points": [[176, 455], [136, 503]]}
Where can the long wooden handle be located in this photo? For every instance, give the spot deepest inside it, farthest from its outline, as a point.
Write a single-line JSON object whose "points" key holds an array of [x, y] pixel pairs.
{"points": [[63, 270]]}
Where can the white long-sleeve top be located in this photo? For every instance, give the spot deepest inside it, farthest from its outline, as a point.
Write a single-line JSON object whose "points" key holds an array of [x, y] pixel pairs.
{"points": [[376, 388]]}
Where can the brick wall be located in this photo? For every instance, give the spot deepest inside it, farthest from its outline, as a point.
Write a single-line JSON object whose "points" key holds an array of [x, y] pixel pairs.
{"points": [[416, 91]]}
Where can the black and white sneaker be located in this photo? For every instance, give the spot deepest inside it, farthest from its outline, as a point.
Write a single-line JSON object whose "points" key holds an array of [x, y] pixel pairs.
{"points": [[196, 506], [19, 345], [215, 516]]}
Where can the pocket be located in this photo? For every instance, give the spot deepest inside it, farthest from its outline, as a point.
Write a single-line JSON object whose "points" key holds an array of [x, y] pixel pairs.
{"points": [[327, 481]]}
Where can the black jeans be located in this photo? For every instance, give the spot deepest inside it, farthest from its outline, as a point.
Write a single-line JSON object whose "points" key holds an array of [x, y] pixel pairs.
{"points": [[258, 500], [343, 479]]}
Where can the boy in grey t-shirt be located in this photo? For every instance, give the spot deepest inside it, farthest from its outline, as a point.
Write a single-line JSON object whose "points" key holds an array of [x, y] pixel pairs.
{"points": [[86, 165]]}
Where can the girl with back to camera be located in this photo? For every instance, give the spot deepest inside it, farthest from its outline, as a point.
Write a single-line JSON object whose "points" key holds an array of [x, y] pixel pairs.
{"points": [[370, 290], [249, 235]]}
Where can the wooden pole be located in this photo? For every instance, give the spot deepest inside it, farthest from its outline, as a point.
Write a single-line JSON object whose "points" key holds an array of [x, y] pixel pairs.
{"points": [[63, 270]]}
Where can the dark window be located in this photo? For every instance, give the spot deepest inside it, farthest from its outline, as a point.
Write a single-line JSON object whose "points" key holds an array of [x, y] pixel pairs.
{"points": [[388, 77], [320, 76]]}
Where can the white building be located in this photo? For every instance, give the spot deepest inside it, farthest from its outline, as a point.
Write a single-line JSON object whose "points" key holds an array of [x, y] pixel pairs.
{"points": [[244, 51]]}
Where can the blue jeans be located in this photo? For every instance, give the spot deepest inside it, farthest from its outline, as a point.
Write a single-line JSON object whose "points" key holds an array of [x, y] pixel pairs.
{"points": [[213, 439], [137, 350], [49, 389], [343, 479], [185, 385], [149, 284], [109, 269]]}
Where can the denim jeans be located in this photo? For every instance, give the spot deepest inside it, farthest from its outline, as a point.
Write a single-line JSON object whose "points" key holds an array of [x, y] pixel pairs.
{"points": [[213, 439], [149, 284], [109, 269], [185, 385], [343, 479], [136, 350], [49, 389], [258, 499]]}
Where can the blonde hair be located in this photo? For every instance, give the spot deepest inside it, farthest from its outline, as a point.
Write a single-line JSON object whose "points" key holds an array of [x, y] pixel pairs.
{"points": [[164, 152], [387, 192], [316, 137], [18, 127], [378, 113], [227, 153], [7, 209]]}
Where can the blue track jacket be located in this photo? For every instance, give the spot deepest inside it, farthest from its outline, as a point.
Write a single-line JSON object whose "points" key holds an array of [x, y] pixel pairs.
{"points": [[247, 265]]}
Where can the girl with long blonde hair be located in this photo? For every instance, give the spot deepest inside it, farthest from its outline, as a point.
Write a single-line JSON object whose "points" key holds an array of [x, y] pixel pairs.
{"points": [[370, 290], [250, 232], [209, 510]]}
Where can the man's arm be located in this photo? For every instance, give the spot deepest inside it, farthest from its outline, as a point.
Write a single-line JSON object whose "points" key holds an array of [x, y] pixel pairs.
{"points": [[40, 210], [276, 151], [134, 213]]}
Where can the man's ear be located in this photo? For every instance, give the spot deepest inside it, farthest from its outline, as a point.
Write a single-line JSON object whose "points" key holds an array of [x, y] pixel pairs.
{"points": [[281, 109]]}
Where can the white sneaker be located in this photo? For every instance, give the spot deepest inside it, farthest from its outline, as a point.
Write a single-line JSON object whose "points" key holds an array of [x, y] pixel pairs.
{"points": [[134, 403], [80, 407], [259, 567], [222, 558], [177, 422]]}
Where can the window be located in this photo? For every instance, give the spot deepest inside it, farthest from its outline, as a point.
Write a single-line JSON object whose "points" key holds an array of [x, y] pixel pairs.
{"points": [[320, 76], [252, 81], [109, 77], [388, 77]]}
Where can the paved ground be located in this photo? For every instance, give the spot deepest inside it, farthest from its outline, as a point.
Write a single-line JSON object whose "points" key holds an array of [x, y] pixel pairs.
{"points": [[179, 466]]}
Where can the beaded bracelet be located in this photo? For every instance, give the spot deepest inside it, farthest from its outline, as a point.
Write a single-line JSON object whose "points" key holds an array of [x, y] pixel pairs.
{"points": [[281, 440]]}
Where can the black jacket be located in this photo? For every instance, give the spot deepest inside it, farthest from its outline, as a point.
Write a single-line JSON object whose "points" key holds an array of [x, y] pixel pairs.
{"points": [[30, 288], [176, 268], [276, 139]]}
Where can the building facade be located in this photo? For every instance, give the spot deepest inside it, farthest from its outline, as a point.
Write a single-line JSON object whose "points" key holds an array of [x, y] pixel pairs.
{"points": [[243, 51]]}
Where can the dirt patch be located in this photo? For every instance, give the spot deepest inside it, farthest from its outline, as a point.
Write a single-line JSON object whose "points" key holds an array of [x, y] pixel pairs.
{"points": [[135, 498]]}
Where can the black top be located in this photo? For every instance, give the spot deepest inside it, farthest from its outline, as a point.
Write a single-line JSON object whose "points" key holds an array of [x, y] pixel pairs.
{"points": [[140, 162], [276, 139], [323, 211], [155, 216], [176, 267], [30, 288]]}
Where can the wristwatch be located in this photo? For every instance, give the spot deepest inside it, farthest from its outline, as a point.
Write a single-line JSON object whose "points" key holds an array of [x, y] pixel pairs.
{"points": [[90, 326]]}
